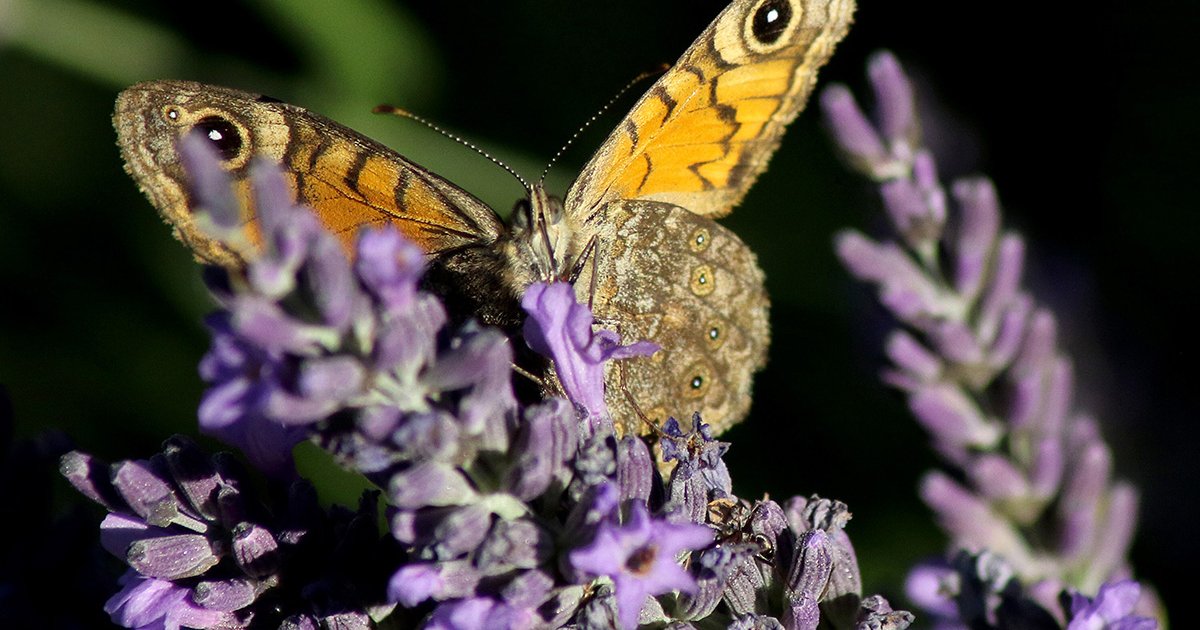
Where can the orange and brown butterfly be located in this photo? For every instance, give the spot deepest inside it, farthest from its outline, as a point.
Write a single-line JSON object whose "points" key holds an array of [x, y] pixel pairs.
{"points": [[634, 232]]}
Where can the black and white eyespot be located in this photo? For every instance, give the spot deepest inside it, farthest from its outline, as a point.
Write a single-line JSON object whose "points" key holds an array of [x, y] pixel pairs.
{"points": [[223, 134], [770, 24], [697, 380]]}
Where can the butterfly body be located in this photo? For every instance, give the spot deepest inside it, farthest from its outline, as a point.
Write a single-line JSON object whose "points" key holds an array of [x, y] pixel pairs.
{"points": [[634, 232]]}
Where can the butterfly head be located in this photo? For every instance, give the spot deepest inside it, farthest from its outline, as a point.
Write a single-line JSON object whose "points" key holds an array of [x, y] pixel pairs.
{"points": [[541, 247]]}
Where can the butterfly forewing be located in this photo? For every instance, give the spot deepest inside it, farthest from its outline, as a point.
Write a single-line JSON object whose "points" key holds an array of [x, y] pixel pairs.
{"points": [[706, 129], [350, 180]]}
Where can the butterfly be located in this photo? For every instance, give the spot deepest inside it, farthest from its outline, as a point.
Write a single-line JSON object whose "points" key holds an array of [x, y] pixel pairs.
{"points": [[635, 231]]}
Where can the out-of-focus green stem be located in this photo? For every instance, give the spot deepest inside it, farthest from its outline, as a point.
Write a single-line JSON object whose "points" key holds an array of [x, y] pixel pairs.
{"points": [[92, 39]]}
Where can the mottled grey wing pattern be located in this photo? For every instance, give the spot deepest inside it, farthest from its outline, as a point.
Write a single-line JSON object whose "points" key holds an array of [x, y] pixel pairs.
{"points": [[694, 288]]}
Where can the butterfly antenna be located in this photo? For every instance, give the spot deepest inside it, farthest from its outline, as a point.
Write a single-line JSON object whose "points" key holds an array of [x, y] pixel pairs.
{"points": [[599, 113], [404, 113]]}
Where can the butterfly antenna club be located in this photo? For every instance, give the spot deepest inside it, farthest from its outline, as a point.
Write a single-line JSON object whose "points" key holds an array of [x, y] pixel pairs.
{"points": [[403, 113]]}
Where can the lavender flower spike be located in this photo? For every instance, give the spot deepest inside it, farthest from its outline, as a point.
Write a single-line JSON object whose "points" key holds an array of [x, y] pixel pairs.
{"points": [[979, 363]]}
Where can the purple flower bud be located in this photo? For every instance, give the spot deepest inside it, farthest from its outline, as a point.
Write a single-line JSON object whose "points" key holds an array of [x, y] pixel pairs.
{"points": [[90, 477], [852, 132], [977, 231], [711, 568], [1039, 344], [903, 289], [953, 419], [910, 355], [514, 544], [226, 595], [894, 95], [996, 478], [752, 621], [1004, 283], [390, 267], [459, 531], [149, 495], [1115, 533], [1048, 466], [172, 557], [1080, 503], [932, 585], [417, 582], [906, 206], [434, 436], [635, 469], [545, 444], [1006, 337], [806, 582], [255, 550], [956, 342], [480, 613], [969, 519], [215, 199], [195, 475], [429, 483], [529, 589]]}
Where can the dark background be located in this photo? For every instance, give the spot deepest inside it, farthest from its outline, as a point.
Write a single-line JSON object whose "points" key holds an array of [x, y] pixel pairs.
{"points": [[1084, 114]]}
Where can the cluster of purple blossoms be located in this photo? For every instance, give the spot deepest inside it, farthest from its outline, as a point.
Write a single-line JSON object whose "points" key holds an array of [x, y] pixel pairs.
{"points": [[500, 513], [1031, 501]]}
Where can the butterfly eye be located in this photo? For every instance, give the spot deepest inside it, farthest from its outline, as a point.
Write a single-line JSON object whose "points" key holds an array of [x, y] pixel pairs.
{"points": [[222, 134], [771, 20]]}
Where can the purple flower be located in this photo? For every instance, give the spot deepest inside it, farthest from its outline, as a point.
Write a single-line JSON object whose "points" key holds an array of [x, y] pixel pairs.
{"points": [[1113, 608], [203, 553], [560, 328], [979, 363], [150, 603], [640, 558]]}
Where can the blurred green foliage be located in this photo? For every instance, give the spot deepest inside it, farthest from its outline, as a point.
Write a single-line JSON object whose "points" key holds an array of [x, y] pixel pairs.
{"points": [[1082, 115]]}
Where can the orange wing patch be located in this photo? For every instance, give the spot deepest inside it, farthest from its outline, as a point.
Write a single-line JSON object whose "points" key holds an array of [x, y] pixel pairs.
{"points": [[706, 129]]}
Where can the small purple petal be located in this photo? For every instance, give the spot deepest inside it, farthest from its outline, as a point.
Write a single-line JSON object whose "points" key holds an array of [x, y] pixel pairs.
{"points": [[977, 232], [560, 328], [430, 484], [853, 133], [390, 266], [417, 582], [996, 478], [210, 183], [1080, 501], [952, 417], [894, 99], [908, 354], [149, 603]]}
